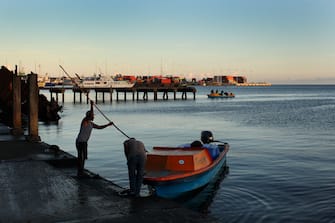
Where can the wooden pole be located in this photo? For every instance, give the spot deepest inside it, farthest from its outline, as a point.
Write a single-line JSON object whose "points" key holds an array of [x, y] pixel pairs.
{"points": [[17, 121], [33, 109], [155, 94], [111, 94]]}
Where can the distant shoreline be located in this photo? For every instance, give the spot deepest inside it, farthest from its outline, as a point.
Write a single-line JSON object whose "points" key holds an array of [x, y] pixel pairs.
{"points": [[257, 84], [265, 84]]}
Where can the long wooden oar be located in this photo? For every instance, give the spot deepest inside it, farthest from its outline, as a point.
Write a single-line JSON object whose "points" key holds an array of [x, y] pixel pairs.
{"points": [[95, 105]]}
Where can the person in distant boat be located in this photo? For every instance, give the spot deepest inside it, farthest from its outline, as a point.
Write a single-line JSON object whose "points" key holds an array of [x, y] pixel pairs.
{"points": [[136, 157], [84, 134]]}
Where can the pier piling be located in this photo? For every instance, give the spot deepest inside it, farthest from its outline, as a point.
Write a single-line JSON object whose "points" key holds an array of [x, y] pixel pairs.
{"points": [[80, 91], [33, 109], [17, 122], [57, 91], [103, 91]]}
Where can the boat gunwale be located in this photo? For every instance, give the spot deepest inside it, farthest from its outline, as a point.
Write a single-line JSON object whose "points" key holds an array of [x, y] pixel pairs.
{"points": [[159, 149]]}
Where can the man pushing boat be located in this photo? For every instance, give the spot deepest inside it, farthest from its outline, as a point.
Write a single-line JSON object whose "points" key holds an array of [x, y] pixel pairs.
{"points": [[136, 157]]}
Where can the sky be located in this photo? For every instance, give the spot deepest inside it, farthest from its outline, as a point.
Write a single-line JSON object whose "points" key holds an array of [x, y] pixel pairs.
{"points": [[277, 41]]}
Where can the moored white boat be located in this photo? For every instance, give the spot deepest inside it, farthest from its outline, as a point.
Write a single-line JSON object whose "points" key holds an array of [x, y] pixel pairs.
{"points": [[104, 83], [95, 83], [122, 84]]}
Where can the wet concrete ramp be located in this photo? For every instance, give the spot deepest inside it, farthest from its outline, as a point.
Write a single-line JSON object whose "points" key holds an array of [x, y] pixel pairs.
{"points": [[34, 191]]}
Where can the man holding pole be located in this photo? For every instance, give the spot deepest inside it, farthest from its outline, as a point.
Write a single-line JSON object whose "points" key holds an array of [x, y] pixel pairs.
{"points": [[86, 127]]}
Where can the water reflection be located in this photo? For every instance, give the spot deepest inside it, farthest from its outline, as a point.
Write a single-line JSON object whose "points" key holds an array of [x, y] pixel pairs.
{"points": [[201, 200], [283, 140]]}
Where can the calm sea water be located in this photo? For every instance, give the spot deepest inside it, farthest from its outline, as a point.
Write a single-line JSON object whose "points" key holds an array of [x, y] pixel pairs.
{"points": [[282, 157]]}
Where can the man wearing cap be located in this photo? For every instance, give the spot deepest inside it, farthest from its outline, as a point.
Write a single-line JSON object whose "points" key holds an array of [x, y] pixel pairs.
{"points": [[86, 127]]}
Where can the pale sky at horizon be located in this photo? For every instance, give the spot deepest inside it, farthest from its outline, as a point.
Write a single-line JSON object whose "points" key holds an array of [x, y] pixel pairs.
{"points": [[276, 41]]}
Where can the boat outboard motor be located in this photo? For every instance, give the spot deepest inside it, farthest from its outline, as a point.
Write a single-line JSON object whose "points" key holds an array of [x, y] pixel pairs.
{"points": [[207, 137]]}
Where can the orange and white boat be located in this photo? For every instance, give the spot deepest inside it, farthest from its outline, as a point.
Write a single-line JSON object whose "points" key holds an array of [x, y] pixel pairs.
{"points": [[172, 172]]}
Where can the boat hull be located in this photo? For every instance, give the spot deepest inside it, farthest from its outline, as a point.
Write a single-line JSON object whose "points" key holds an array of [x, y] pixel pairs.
{"points": [[178, 188], [220, 96]]}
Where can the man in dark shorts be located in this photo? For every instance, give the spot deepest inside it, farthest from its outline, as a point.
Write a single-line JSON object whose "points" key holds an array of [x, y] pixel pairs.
{"points": [[136, 158], [86, 127]]}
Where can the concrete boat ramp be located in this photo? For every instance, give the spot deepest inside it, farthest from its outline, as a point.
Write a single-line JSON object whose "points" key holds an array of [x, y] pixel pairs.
{"points": [[38, 183]]}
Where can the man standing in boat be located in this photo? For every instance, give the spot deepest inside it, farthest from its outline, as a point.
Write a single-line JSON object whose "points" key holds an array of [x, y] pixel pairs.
{"points": [[136, 157], [86, 127]]}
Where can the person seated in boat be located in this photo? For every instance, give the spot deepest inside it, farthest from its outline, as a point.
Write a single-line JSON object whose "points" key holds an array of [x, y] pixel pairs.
{"points": [[217, 91], [226, 93], [196, 144], [207, 137], [221, 93], [212, 91], [136, 157], [213, 150]]}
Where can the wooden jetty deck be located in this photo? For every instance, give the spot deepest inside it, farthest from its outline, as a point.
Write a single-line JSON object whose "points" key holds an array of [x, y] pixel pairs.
{"points": [[155, 90], [137, 93]]}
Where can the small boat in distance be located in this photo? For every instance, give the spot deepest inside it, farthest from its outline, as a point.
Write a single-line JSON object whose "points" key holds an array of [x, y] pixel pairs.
{"points": [[222, 94], [174, 172]]}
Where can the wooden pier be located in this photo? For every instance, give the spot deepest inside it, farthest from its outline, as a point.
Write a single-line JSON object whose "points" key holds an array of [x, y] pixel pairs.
{"points": [[137, 93], [80, 92], [155, 90], [57, 91]]}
